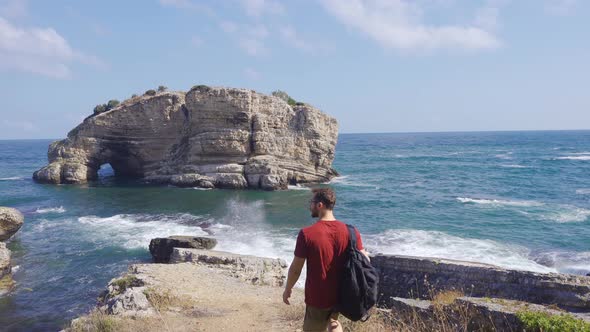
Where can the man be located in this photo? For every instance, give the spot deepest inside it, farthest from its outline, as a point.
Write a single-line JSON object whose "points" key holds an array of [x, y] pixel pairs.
{"points": [[323, 245]]}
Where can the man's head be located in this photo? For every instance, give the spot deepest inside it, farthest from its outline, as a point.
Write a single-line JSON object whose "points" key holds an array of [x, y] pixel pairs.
{"points": [[323, 199]]}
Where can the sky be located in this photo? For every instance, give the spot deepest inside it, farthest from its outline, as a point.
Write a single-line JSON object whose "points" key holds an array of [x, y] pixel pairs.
{"points": [[375, 65]]}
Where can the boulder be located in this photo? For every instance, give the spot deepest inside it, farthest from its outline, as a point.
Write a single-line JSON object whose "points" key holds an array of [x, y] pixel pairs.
{"points": [[161, 248], [256, 270], [11, 220], [207, 137]]}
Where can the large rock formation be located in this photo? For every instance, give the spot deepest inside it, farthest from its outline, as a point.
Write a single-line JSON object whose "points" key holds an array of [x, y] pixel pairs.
{"points": [[11, 220], [207, 137]]}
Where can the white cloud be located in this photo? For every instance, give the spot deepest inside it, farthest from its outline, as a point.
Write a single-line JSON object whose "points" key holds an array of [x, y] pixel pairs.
{"points": [[252, 74], [398, 24], [38, 50], [293, 39], [257, 8], [250, 38], [14, 8], [560, 7]]}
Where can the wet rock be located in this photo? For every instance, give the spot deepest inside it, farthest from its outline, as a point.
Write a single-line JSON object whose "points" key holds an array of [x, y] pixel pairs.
{"points": [[11, 220], [161, 248]]}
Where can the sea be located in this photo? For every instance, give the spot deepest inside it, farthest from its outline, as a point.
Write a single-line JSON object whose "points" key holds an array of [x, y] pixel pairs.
{"points": [[519, 200]]}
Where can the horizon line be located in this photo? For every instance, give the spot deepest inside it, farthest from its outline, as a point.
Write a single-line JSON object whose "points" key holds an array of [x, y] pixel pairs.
{"points": [[379, 132]]}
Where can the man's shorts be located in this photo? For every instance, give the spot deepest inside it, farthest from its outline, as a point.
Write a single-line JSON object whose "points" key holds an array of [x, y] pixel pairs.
{"points": [[317, 319]]}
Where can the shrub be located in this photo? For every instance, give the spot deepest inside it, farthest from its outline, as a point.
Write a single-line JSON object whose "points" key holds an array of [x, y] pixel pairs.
{"points": [[542, 321], [284, 96], [150, 92], [134, 95], [100, 109], [201, 87], [112, 104], [162, 88]]}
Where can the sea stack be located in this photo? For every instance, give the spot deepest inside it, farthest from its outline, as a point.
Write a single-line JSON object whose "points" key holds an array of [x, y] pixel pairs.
{"points": [[207, 137]]}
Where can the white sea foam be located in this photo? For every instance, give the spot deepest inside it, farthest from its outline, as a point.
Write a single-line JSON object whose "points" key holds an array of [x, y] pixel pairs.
{"points": [[498, 202], [51, 210], [584, 157], [514, 166], [346, 180], [506, 156], [560, 213], [441, 245], [297, 187], [15, 268], [566, 261], [12, 178], [567, 213], [136, 230], [199, 188], [583, 191]]}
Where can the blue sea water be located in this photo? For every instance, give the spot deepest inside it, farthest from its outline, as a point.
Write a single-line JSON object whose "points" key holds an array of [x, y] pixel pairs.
{"points": [[515, 199]]}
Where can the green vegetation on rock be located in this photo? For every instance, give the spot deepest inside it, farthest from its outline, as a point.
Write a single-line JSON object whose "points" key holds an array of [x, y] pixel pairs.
{"points": [[150, 92], [535, 321], [162, 88], [101, 108], [201, 87], [284, 96]]}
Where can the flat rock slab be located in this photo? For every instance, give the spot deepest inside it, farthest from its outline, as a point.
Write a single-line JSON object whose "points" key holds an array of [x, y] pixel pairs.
{"points": [[418, 277], [11, 220], [255, 270], [161, 248], [217, 301]]}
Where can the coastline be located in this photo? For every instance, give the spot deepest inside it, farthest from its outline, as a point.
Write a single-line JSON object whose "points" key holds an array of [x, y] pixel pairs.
{"points": [[208, 290]]}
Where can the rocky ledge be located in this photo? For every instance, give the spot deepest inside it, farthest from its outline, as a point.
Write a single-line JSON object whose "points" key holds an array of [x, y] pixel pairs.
{"points": [[207, 137], [11, 220]]}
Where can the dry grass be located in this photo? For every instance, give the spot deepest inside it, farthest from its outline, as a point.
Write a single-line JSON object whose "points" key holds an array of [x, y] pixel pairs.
{"points": [[446, 297], [163, 299]]}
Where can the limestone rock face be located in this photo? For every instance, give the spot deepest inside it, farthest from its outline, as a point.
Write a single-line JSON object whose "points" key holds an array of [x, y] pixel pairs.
{"points": [[255, 270], [161, 248], [5, 267], [11, 220], [207, 137]]}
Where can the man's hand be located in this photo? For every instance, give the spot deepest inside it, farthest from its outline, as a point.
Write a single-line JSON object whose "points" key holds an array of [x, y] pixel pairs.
{"points": [[286, 295]]}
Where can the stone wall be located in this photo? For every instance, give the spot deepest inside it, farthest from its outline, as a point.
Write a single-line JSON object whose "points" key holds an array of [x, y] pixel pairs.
{"points": [[414, 277]]}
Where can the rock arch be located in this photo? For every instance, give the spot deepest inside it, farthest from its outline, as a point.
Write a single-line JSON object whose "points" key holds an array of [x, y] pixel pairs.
{"points": [[212, 137]]}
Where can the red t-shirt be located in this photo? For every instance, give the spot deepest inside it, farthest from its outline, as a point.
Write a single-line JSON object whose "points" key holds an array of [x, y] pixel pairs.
{"points": [[323, 245]]}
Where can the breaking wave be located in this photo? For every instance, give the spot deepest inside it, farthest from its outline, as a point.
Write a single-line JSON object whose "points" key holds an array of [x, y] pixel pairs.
{"points": [[441, 245], [497, 202], [51, 210]]}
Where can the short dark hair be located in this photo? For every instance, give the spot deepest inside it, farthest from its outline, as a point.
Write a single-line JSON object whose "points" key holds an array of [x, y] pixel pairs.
{"points": [[325, 196]]}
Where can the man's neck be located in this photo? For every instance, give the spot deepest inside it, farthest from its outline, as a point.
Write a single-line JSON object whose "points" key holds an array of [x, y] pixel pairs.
{"points": [[327, 216]]}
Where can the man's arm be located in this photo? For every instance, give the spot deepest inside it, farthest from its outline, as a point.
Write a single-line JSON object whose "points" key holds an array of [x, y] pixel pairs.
{"points": [[366, 253], [292, 277]]}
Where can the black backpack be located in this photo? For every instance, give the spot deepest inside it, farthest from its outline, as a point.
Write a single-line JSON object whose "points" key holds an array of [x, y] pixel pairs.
{"points": [[358, 284]]}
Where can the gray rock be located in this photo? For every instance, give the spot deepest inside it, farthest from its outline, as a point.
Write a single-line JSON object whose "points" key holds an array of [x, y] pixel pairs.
{"points": [[237, 138], [11, 220], [161, 248], [132, 302], [257, 270], [5, 267], [417, 277], [6, 283]]}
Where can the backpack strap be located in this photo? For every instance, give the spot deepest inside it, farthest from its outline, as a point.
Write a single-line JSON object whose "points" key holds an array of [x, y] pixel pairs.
{"points": [[351, 237]]}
